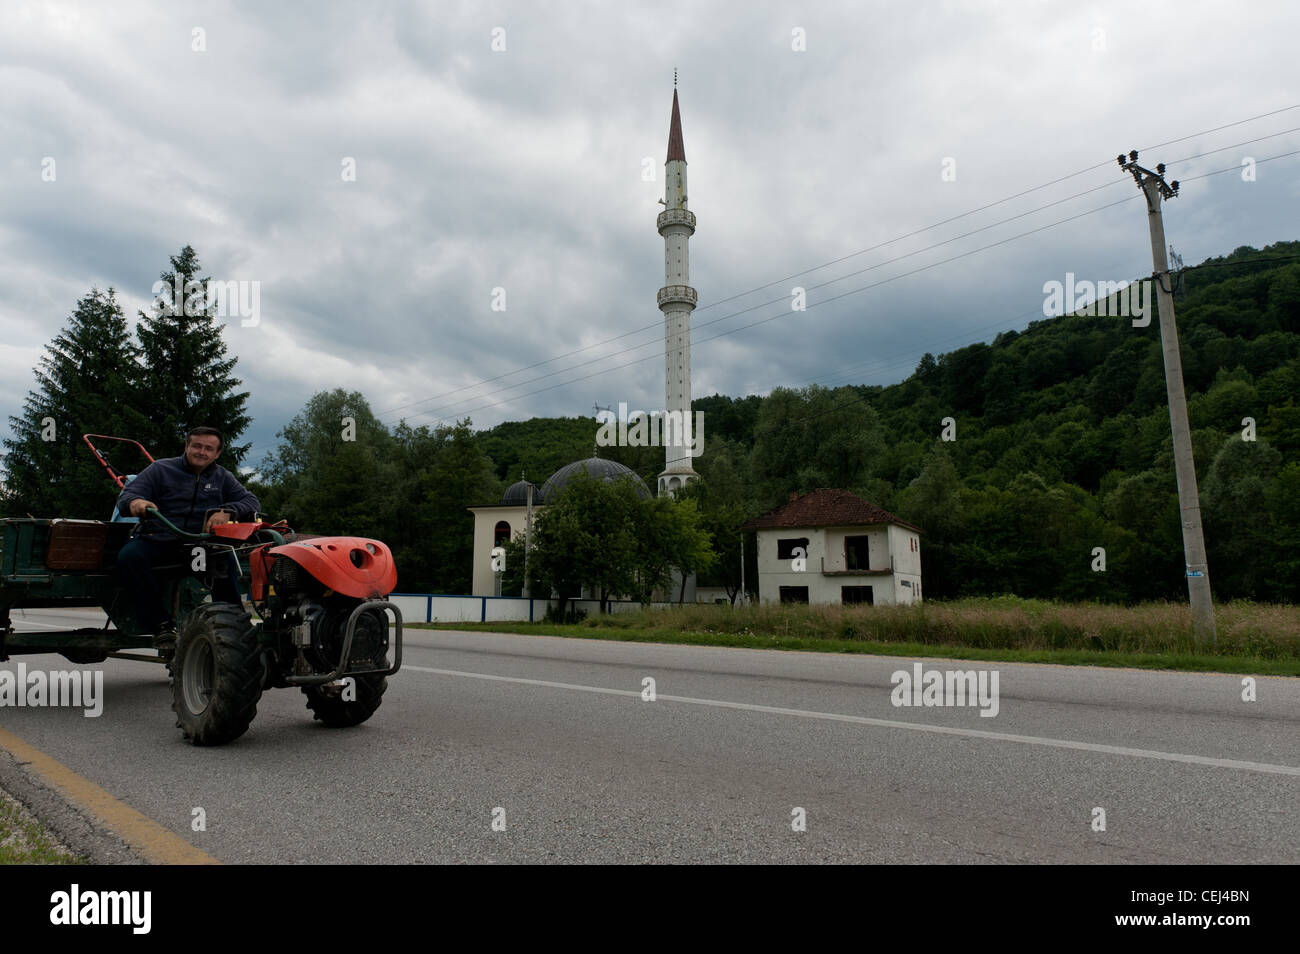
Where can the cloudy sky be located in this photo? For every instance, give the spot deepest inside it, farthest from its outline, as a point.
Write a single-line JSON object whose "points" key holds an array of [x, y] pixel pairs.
{"points": [[508, 146]]}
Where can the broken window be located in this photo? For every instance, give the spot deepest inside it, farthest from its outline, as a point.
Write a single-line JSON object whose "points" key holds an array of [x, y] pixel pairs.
{"points": [[854, 595], [794, 594], [857, 553], [785, 548]]}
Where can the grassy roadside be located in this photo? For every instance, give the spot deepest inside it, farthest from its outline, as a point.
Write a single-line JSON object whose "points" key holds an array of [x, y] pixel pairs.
{"points": [[1254, 638], [24, 841]]}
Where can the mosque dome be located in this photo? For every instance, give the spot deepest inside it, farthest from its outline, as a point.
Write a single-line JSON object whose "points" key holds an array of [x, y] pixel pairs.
{"points": [[516, 494], [597, 467]]}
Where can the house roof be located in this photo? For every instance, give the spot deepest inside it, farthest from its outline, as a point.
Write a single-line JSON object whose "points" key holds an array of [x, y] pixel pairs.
{"points": [[825, 508]]}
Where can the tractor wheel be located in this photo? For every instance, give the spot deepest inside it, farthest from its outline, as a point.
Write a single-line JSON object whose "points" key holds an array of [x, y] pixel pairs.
{"points": [[216, 674], [329, 705]]}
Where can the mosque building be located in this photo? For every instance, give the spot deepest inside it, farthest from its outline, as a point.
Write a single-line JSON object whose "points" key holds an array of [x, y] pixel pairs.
{"points": [[496, 523], [828, 546]]}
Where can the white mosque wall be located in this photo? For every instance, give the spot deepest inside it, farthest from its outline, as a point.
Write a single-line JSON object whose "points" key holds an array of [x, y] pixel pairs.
{"points": [[486, 520], [438, 608]]}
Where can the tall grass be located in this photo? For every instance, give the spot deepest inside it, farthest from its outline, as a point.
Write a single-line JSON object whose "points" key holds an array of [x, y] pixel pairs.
{"points": [[1260, 630]]}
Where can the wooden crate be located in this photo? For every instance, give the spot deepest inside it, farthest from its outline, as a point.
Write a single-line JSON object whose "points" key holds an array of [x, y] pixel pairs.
{"points": [[76, 544]]}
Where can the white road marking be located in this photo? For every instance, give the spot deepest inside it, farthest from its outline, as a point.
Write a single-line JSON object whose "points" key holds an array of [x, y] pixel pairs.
{"points": [[1265, 767]]}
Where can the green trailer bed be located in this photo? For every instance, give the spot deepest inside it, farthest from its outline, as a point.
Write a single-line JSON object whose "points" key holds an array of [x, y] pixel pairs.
{"points": [[56, 563]]}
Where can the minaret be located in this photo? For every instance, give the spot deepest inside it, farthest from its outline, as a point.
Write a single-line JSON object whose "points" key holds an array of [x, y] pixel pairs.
{"points": [[676, 300]]}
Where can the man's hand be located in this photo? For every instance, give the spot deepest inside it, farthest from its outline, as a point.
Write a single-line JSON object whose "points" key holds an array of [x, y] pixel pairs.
{"points": [[214, 519], [138, 507]]}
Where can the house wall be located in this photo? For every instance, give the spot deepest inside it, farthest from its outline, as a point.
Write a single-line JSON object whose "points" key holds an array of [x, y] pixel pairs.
{"points": [[826, 551], [906, 547], [711, 594], [877, 546], [774, 573]]}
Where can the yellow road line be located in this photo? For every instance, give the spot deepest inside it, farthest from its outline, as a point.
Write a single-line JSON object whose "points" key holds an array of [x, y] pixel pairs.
{"points": [[146, 836]]}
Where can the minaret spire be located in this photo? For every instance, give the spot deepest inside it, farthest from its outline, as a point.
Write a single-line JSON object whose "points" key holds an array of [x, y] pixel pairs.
{"points": [[677, 300], [675, 148]]}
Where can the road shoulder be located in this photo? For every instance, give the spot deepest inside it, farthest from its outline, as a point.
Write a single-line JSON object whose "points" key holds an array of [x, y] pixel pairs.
{"points": [[83, 816], [76, 829]]}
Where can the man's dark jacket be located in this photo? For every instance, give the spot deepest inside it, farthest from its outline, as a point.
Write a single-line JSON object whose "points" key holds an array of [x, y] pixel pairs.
{"points": [[186, 498]]}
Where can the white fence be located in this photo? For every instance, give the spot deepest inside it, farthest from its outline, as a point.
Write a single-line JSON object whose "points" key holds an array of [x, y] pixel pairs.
{"points": [[432, 608]]}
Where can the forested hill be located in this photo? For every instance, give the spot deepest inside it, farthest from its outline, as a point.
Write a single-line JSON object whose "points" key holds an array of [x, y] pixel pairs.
{"points": [[1061, 446]]}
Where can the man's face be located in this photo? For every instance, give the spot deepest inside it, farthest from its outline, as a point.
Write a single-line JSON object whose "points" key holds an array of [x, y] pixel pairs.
{"points": [[202, 450]]}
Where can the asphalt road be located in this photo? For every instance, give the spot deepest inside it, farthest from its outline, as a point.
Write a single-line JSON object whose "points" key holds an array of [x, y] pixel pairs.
{"points": [[556, 733]]}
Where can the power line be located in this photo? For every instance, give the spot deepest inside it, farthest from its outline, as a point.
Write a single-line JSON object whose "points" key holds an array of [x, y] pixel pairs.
{"points": [[854, 291], [782, 299], [761, 321], [865, 287], [657, 325]]}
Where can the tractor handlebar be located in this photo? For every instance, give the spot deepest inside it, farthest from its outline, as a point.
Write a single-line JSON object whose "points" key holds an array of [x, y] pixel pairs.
{"points": [[153, 512], [276, 537]]}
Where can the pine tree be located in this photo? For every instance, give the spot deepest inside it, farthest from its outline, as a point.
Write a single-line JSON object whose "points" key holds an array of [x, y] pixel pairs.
{"points": [[186, 375], [84, 386]]}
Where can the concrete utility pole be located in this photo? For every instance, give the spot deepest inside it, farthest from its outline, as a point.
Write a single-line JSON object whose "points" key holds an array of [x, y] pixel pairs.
{"points": [[1189, 504], [742, 569], [528, 540]]}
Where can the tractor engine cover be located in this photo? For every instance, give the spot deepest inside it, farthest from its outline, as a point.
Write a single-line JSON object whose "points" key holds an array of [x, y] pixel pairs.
{"points": [[350, 566]]}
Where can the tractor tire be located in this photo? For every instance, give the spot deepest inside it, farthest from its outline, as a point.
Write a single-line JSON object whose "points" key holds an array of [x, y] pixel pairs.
{"points": [[217, 674], [328, 705]]}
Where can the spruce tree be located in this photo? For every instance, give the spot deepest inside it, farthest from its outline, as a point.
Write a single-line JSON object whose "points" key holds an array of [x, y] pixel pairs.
{"points": [[83, 386], [186, 378]]}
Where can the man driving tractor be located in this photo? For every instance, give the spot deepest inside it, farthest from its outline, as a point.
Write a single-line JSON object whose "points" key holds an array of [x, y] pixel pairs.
{"points": [[195, 493]]}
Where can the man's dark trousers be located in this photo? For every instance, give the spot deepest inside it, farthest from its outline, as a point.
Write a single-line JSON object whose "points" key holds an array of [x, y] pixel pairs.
{"points": [[135, 565]]}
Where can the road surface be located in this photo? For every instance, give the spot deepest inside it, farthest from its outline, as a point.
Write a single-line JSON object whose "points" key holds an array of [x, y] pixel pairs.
{"points": [[554, 741]]}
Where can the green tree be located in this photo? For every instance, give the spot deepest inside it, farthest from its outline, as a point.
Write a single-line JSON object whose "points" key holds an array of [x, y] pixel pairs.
{"points": [[1142, 514], [443, 472], [1238, 527], [586, 537], [720, 501], [672, 536], [602, 535], [333, 471], [83, 386], [812, 438], [933, 502], [186, 378], [1282, 572]]}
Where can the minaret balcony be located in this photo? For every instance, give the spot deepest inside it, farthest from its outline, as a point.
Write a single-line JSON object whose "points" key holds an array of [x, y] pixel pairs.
{"points": [[678, 293], [676, 217]]}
